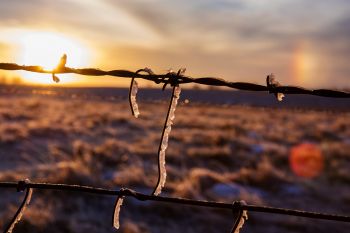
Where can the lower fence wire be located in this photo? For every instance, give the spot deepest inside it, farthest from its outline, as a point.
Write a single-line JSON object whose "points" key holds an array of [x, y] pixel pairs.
{"points": [[235, 206]]}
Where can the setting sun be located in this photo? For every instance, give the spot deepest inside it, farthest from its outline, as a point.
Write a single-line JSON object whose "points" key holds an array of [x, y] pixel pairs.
{"points": [[45, 49]]}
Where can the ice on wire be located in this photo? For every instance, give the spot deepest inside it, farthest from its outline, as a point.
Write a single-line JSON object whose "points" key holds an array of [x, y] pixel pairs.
{"points": [[165, 139], [21, 211], [133, 93], [117, 207], [242, 220]]}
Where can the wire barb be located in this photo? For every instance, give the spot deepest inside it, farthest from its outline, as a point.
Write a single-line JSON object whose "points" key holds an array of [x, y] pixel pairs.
{"points": [[60, 66], [272, 84]]}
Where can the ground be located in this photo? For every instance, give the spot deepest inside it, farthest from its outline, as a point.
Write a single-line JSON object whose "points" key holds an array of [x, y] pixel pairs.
{"points": [[216, 152]]}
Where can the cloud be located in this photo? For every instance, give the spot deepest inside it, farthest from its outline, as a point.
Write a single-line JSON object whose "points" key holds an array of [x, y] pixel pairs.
{"points": [[89, 18], [253, 36], [241, 18], [231, 38]]}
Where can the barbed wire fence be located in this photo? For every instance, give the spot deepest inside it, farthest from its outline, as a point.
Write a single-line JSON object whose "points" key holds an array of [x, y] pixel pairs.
{"points": [[174, 79]]}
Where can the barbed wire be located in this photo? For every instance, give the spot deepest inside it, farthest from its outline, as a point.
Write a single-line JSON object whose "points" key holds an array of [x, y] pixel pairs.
{"points": [[174, 79]]}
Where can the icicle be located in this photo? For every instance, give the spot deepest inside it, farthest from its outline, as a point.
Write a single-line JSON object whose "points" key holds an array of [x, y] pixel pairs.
{"points": [[165, 139], [116, 214], [55, 78], [21, 210], [280, 96], [133, 93], [243, 218]]}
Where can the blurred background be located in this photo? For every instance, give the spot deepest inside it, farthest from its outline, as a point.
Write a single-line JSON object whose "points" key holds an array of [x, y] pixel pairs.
{"points": [[300, 41], [225, 145]]}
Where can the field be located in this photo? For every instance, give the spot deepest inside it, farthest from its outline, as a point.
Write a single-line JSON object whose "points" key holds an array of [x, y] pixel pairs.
{"points": [[220, 152]]}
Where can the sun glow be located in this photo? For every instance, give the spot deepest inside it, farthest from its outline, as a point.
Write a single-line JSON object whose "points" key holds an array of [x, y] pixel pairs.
{"points": [[45, 49]]}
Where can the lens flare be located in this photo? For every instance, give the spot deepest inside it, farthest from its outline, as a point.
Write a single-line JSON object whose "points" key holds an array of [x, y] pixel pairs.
{"points": [[306, 160], [304, 64]]}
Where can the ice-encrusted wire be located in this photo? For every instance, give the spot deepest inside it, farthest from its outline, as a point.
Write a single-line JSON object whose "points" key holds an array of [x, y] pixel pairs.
{"points": [[116, 213], [165, 138], [133, 92], [242, 218], [20, 211]]}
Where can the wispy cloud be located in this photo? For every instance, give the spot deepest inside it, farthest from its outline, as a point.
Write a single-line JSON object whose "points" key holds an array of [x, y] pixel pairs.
{"points": [[230, 38]]}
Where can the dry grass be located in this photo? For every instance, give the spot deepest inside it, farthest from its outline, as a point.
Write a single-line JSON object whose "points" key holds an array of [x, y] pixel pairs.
{"points": [[215, 153]]}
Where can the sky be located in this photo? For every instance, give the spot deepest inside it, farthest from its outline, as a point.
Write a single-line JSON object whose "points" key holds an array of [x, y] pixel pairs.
{"points": [[303, 42]]}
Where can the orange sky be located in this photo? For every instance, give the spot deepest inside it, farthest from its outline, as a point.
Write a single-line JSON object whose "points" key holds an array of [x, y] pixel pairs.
{"points": [[301, 42]]}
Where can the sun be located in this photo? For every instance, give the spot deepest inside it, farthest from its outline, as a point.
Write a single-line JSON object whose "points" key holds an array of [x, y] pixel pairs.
{"points": [[45, 49]]}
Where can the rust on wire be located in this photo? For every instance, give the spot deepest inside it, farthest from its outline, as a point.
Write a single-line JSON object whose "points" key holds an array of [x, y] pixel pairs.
{"points": [[166, 78]]}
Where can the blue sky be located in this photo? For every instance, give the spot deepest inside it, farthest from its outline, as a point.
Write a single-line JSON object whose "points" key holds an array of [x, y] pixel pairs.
{"points": [[303, 42]]}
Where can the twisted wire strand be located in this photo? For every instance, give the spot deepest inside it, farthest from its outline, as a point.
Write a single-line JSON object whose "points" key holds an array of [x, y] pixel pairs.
{"points": [[183, 79]]}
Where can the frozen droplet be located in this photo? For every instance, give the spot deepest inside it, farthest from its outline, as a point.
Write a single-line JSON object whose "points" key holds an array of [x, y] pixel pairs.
{"points": [[117, 207], [133, 93], [280, 96], [242, 220], [165, 139], [21, 210]]}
